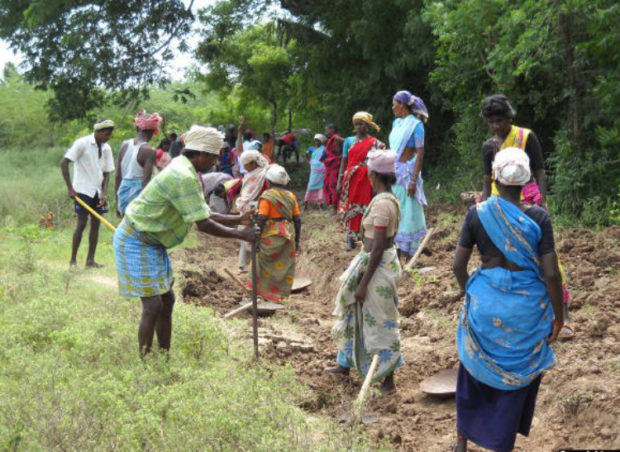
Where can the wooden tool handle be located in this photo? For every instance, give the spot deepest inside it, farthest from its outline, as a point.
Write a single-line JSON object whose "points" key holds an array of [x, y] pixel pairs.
{"points": [[237, 280], [359, 402], [95, 214], [420, 249], [243, 308]]}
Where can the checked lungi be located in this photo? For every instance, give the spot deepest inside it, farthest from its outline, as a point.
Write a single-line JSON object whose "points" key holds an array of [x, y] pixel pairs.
{"points": [[144, 268]]}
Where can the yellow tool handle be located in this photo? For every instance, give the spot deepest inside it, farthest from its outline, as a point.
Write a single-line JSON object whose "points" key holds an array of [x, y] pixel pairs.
{"points": [[95, 214]]}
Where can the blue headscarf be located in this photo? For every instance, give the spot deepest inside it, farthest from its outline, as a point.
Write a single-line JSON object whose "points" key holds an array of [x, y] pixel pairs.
{"points": [[414, 102]]}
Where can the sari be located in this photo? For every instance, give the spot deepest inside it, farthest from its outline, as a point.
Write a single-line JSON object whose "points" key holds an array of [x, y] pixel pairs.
{"points": [[332, 167], [507, 315], [412, 227], [314, 192], [275, 259], [357, 191], [530, 194], [365, 329]]}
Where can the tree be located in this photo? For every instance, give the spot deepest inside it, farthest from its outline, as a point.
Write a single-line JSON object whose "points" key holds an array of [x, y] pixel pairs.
{"points": [[252, 60], [80, 48]]}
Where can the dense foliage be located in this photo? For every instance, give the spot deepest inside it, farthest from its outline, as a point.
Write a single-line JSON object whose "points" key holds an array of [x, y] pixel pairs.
{"points": [[319, 61], [80, 48]]}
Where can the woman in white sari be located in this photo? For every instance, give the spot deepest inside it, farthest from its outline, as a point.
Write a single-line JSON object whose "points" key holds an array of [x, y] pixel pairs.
{"points": [[366, 303], [253, 185]]}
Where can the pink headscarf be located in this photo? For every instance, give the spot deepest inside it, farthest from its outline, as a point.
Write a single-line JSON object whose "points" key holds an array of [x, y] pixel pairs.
{"points": [[381, 161], [145, 122]]}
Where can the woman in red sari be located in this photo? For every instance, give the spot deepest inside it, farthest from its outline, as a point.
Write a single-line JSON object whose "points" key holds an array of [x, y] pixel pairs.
{"points": [[353, 182], [333, 154]]}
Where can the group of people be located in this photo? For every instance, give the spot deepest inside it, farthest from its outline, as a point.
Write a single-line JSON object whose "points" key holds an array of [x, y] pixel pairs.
{"points": [[515, 302]]}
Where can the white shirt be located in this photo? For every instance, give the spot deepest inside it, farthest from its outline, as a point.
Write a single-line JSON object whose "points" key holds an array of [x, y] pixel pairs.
{"points": [[88, 168], [250, 145]]}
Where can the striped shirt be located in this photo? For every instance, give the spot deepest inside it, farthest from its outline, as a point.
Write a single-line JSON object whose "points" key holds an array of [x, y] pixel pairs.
{"points": [[170, 203]]}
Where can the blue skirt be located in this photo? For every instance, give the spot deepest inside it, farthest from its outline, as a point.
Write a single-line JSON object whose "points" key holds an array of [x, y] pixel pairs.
{"points": [[492, 417], [128, 190], [143, 265]]}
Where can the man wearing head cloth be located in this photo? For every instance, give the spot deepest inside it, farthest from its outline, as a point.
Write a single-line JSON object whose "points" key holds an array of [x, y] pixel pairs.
{"points": [[160, 218], [136, 159], [92, 164]]}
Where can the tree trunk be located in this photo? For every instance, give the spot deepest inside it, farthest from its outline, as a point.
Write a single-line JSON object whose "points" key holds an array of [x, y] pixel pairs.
{"points": [[566, 22], [290, 121]]}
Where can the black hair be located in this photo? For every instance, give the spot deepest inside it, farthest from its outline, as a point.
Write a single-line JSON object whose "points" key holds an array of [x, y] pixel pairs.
{"points": [[386, 179], [267, 135], [498, 105], [106, 130], [173, 136], [165, 141], [191, 154], [332, 126]]}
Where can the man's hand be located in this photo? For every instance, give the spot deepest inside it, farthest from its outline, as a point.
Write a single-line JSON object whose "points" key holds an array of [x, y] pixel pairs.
{"points": [[247, 216], [102, 201], [360, 293], [250, 234], [411, 189], [72, 193]]}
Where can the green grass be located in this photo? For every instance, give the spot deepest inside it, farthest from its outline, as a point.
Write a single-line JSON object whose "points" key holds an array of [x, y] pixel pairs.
{"points": [[70, 376]]}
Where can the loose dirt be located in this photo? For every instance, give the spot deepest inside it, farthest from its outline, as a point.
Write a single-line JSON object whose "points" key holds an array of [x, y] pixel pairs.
{"points": [[578, 404]]}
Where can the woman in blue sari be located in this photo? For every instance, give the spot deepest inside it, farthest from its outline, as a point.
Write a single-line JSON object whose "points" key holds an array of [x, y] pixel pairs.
{"points": [[407, 139], [512, 311], [316, 155]]}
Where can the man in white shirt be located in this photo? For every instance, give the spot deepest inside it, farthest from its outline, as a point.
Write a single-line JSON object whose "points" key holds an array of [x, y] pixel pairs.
{"points": [[246, 142], [92, 164]]}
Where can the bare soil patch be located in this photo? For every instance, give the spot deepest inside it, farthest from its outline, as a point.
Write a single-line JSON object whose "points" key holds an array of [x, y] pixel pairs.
{"points": [[578, 403]]}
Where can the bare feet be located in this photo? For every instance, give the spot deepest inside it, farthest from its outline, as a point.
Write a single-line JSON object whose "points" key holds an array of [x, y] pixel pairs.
{"points": [[93, 264], [388, 387], [338, 370]]}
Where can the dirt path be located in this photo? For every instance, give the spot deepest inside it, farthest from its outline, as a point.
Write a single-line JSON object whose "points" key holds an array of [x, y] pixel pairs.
{"points": [[578, 404]]}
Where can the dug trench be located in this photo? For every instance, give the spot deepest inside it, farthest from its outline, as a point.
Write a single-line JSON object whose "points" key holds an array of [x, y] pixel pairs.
{"points": [[579, 400]]}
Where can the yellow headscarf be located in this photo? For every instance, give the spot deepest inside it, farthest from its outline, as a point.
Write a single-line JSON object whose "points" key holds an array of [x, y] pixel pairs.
{"points": [[367, 118]]}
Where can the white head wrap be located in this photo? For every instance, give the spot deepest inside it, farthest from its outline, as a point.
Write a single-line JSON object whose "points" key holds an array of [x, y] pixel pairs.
{"points": [[512, 167], [250, 156], [322, 138], [277, 175], [105, 124], [203, 139]]}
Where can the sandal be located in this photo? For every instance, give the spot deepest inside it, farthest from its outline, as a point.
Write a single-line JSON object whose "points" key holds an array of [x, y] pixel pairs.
{"points": [[566, 333]]}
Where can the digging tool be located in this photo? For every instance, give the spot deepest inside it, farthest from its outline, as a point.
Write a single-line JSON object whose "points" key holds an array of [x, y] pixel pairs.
{"points": [[238, 281], [442, 384], [264, 307], [95, 214], [359, 402], [254, 299], [412, 261]]}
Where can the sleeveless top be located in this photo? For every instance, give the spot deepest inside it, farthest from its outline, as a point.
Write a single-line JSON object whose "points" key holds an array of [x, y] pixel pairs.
{"points": [[130, 167]]}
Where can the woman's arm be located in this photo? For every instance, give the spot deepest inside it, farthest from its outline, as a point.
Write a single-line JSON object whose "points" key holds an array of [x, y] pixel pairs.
{"points": [[553, 281], [343, 165], [378, 246], [459, 265]]}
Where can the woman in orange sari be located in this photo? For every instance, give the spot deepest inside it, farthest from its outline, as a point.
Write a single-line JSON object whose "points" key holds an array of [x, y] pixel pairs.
{"points": [[353, 178], [280, 224]]}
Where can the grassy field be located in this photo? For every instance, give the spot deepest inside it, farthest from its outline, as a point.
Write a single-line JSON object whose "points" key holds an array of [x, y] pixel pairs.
{"points": [[70, 374]]}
